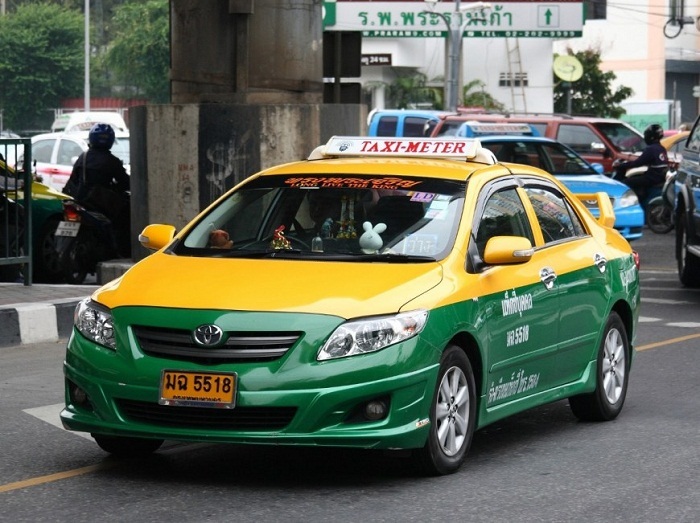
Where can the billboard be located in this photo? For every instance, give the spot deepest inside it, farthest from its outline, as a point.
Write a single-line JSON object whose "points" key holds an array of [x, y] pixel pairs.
{"points": [[420, 19]]}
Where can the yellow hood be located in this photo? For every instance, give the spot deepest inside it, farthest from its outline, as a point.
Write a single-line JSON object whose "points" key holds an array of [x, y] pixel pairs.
{"points": [[339, 288]]}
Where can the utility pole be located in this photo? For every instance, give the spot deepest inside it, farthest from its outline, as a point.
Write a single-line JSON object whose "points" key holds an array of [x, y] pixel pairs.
{"points": [[456, 25]]}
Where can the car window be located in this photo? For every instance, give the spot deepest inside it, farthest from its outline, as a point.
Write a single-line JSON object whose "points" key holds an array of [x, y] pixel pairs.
{"points": [[694, 139], [387, 126], [315, 216], [121, 149], [579, 137], [623, 137], [556, 217], [42, 150], [503, 215], [68, 152], [414, 126]]}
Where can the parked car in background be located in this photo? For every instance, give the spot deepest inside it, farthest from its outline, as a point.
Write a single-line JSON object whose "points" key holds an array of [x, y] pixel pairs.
{"points": [[402, 122], [597, 140], [687, 212], [83, 121], [54, 154]]}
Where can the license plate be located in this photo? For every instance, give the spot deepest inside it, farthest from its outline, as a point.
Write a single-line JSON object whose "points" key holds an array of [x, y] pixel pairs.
{"points": [[198, 389], [67, 229]]}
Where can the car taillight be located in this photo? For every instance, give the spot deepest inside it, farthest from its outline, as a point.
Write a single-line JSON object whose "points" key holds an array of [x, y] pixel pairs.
{"points": [[70, 212], [635, 255]]}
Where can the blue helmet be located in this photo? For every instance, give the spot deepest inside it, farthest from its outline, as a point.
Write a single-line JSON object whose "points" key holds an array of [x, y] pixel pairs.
{"points": [[101, 136]]}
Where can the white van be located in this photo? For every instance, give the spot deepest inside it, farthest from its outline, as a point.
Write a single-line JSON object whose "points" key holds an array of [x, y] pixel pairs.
{"points": [[83, 121]]}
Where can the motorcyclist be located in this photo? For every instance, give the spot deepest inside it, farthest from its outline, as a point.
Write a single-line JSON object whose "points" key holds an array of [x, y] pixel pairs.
{"points": [[99, 167], [654, 156]]}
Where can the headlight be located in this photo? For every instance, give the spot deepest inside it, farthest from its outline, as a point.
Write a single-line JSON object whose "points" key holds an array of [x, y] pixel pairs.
{"points": [[372, 334], [94, 321], [628, 199]]}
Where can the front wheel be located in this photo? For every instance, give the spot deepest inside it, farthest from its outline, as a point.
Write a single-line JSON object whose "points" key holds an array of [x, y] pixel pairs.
{"points": [[452, 415], [126, 447], [612, 368]]}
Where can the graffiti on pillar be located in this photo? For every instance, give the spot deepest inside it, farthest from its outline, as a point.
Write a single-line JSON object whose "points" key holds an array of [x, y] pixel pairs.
{"points": [[227, 160], [186, 174]]}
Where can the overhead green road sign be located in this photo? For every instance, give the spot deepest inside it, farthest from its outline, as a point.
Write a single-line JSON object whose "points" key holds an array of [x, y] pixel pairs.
{"points": [[418, 19]]}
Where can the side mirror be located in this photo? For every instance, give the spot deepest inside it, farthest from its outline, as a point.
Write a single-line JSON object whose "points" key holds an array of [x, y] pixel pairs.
{"points": [[156, 236], [505, 250], [598, 147]]}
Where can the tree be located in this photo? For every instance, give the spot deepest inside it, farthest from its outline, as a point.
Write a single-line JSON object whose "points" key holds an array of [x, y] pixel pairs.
{"points": [[593, 93], [41, 62], [409, 90], [479, 98], [139, 55]]}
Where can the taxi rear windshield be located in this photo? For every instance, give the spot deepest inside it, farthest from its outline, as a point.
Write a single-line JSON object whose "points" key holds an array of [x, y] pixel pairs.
{"points": [[348, 218]]}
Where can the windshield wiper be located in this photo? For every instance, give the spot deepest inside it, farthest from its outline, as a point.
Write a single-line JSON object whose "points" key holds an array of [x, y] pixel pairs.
{"points": [[391, 257]]}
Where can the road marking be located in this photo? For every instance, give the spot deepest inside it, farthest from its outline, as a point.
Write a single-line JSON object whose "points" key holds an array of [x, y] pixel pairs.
{"points": [[647, 319], [40, 480], [668, 342], [665, 302], [685, 325], [50, 414]]}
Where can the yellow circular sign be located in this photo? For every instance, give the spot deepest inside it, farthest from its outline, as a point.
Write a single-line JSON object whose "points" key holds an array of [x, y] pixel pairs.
{"points": [[567, 68]]}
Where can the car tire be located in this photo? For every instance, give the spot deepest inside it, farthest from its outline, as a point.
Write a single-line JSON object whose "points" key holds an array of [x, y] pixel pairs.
{"points": [[659, 217], [47, 266], [73, 263], [126, 447], [452, 416], [688, 263], [612, 371]]}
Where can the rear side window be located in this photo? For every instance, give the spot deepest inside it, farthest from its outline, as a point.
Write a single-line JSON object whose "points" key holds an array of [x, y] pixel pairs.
{"points": [[41, 150], [414, 126], [387, 126], [694, 139], [557, 219], [579, 137]]}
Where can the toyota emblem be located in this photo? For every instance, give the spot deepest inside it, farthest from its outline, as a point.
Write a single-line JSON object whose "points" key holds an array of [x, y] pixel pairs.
{"points": [[208, 335]]}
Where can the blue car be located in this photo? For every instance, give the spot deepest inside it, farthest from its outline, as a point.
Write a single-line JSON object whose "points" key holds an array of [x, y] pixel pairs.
{"points": [[402, 122], [577, 174]]}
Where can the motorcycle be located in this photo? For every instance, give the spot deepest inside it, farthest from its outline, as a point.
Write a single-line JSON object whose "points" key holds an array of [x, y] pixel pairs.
{"points": [[658, 202], [86, 237], [659, 211]]}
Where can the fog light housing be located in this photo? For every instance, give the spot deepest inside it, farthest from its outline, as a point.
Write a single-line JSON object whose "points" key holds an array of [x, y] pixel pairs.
{"points": [[78, 397], [375, 410]]}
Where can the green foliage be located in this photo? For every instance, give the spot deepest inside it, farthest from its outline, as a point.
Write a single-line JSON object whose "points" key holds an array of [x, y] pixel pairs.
{"points": [[139, 54], [41, 62], [409, 91], [593, 93], [480, 98]]}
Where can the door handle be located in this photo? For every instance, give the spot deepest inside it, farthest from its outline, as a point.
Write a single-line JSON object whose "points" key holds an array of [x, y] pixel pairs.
{"points": [[548, 276], [600, 261]]}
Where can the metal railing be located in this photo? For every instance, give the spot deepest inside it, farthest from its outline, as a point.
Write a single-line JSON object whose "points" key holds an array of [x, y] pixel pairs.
{"points": [[16, 210]]}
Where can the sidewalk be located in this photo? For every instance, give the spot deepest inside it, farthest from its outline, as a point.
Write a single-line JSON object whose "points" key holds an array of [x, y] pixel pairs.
{"points": [[38, 313]]}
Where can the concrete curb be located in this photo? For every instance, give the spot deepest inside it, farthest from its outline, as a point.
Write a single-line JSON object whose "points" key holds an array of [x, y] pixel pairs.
{"points": [[36, 322]]}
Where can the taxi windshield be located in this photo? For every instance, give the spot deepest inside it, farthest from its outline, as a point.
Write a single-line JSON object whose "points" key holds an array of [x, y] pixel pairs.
{"points": [[344, 218]]}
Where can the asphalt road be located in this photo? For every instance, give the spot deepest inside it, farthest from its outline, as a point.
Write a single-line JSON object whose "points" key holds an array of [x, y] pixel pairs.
{"points": [[542, 465]]}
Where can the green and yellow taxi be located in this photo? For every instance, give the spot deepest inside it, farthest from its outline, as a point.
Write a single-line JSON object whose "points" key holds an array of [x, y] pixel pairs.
{"points": [[394, 293]]}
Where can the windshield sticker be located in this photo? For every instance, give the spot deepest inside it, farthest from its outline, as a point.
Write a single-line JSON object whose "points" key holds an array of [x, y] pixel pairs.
{"points": [[352, 183], [517, 384], [515, 304], [425, 197]]}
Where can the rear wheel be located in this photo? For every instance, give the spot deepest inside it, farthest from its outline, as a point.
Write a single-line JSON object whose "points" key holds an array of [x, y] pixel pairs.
{"points": [[606, 401], [452, 415], [127, 447], [659, 217], [73, 263], [47, 267], [688, 263]]}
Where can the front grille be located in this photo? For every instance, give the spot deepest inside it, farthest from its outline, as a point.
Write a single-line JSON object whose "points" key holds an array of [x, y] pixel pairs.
{"points": [[238, 346], [238, 418]]}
